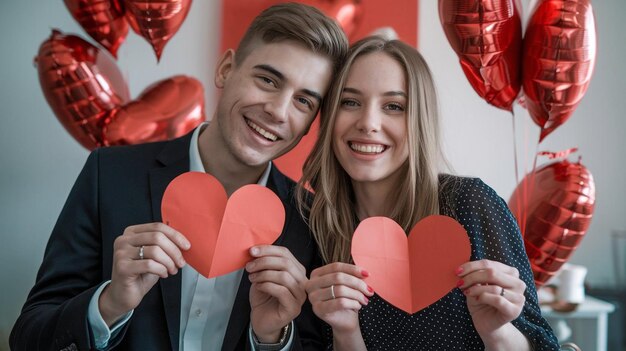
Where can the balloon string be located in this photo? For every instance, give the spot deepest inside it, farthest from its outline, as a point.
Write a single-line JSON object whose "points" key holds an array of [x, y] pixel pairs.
{"points": [[532, 175], [527, 183], [517, 180]]}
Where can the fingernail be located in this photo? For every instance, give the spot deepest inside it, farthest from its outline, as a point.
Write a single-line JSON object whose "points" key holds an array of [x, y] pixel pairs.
{"points": [[459, 270], [365, 273], [187, 246], [182, 262], [250, 265], [367, 300], [466, 292], [369, 288], [254, 251], [460, 283]]}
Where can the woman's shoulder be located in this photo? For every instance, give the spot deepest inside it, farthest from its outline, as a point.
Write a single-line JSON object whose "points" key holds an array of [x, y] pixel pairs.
{"points": [[461, 185], [459, 191]]}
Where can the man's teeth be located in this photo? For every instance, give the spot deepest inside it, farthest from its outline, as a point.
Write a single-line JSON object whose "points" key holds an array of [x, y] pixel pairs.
{"points": [[368, 149], [262, 131]]}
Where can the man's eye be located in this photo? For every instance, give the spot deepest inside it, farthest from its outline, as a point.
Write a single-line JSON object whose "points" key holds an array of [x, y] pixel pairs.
{"points": [[267, 81], [306, 102]]}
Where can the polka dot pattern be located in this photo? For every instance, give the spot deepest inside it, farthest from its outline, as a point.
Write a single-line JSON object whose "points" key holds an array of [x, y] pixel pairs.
{"points": [[446, 324]]}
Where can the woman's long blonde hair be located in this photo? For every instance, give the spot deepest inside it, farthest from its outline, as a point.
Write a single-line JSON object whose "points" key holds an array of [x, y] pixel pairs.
{"points": [[331, 210]]}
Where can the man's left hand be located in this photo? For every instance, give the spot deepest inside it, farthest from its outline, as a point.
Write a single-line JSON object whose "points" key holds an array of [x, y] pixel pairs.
{"points": [[277, 292]]}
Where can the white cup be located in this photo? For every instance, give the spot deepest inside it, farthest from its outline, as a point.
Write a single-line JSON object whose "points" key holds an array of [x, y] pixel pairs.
{"points": [[572, 283]]}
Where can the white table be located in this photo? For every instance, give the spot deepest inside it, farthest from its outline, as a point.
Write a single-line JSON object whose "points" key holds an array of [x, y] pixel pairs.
{"points": [[589, 323]]}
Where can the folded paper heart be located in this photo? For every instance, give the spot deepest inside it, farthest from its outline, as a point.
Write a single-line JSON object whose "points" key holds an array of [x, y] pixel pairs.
{"points": [[221, 230], [411, 272]]}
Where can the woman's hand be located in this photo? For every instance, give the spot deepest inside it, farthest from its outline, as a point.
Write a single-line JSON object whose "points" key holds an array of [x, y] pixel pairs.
{"points": [[337, 292], [495, 296]]}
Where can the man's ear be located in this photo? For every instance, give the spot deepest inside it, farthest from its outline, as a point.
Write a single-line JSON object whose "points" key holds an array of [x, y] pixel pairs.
{"points": [[225, 65]]}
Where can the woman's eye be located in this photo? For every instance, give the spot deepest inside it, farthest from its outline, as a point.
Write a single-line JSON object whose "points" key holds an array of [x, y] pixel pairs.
{"points": [[394, 107], [349, 103]]}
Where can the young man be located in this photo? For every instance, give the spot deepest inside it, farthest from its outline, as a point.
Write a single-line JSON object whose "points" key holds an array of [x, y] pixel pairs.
{"points": [[108, 282]]}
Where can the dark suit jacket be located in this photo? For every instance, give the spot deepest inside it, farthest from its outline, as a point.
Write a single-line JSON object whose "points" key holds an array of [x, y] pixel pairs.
{"points": [[118, 187]]}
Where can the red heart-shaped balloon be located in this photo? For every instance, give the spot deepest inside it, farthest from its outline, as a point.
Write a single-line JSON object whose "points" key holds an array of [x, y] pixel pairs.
{"points": [[82, 84], [103, 20], [411, 272], [221, 230], [156, 20], [165, 110], [487, 37], [554, 206], [89, 96], [559, 58], [349, 13]]}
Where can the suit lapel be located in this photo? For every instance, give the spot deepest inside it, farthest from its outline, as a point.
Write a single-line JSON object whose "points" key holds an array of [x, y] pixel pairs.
{"points": [[175, 160]]}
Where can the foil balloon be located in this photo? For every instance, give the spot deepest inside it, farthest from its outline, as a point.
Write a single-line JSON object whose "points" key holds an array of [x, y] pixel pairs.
{"points": [[167, 109], [349, 14], [487, 37], [554, 206], [156, 20], [81, 83], [559, 58], [103, 20]]}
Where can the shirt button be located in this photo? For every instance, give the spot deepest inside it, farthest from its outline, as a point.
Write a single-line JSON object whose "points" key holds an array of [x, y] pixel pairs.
{"points": [[198, 312]]}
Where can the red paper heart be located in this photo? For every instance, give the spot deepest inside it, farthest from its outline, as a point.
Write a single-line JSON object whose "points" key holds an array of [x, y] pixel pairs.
{"points": [[411, 272], [221, 230]]}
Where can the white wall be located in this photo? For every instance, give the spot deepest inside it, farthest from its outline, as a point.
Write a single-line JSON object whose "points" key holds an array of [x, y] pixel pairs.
{"points": [[40, 160]]}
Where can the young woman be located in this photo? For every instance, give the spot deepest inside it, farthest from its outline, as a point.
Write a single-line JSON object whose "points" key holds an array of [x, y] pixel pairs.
{"points": [[379, 155]]}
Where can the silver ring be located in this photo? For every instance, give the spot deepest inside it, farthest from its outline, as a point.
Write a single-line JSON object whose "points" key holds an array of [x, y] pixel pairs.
{"points": [[503, 292], [332, 291], [141, 252]]}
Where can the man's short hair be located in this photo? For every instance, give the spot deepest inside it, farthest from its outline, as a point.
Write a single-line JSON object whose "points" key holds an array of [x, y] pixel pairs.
{"points": [[299, 23]]}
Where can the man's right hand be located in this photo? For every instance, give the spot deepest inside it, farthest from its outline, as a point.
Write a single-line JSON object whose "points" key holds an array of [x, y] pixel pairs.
{"points": [[132, 277]]}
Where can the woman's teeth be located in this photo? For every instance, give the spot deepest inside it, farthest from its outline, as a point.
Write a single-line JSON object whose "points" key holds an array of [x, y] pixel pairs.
{"points": [[367, 149]]}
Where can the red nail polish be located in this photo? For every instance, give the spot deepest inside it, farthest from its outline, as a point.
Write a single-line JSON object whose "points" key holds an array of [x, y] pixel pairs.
{"points": [[459, 270], [460, 283], [466, 292], [365, 273], [369, 288], [367, 300]]}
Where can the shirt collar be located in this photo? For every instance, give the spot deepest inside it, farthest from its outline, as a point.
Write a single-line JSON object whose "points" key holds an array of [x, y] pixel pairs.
{"points": [[195, 162]]}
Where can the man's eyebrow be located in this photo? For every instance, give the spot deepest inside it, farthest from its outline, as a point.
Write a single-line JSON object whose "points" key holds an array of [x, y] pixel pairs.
{"points": [[313, 94], [271, 70], [317, 96], [389, 93]]}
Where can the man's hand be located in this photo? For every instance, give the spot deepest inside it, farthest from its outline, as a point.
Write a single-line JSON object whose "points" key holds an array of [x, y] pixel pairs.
{"points": [[277, 292], [133, 275]]}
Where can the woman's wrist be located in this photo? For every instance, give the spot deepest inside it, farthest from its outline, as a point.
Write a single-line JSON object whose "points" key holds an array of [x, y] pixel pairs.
{"points": [[348, 339], [504, 338]]}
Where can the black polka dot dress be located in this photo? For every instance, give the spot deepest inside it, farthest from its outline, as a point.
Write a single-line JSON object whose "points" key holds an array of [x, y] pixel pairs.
{"points": [[446, 324]]}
